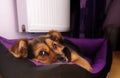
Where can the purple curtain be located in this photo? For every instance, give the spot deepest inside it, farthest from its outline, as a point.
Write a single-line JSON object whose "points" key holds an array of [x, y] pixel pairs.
{"points": [[75, 18], [87, 17], [112, 23]]}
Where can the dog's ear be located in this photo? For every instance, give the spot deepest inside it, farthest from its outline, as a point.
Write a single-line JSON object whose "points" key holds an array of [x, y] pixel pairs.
{"points": [[55, 35], [19, 49], [67, 53]]}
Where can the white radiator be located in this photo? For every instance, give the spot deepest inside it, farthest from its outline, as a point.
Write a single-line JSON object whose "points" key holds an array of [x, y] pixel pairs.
{"points": [[43, 15]]}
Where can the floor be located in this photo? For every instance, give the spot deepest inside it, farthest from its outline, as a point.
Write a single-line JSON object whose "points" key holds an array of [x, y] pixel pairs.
{"points": [[115, 68]]}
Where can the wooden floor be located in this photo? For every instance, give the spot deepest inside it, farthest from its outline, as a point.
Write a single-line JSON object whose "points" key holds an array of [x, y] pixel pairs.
{"points": [[115, 68]]}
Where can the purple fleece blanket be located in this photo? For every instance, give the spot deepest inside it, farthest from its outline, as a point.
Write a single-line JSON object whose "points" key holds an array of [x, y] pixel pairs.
{"points": [[95, 51]]}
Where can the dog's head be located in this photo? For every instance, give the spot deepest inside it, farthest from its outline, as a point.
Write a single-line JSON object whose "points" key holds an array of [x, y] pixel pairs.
{"points": [[45, 47], [46, 50], [41, 49]]}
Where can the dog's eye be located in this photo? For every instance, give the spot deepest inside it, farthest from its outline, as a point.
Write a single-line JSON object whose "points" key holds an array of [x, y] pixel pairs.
{"points": [[54, 46], [43, 53]]}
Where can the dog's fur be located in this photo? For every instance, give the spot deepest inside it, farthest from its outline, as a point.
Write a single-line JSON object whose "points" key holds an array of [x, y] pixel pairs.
{"points": [[19, 49], [48, 49]]}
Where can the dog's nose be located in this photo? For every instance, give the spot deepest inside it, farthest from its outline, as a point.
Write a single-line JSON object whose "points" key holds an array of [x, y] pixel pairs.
{"points": [[61, 58]]}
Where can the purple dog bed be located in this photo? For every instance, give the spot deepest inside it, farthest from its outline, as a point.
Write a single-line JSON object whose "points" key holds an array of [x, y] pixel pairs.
{"points": [[95, 51]]}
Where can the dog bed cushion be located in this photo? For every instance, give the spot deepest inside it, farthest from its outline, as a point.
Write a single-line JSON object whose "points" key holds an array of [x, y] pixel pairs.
{"points": [[11, 67]]}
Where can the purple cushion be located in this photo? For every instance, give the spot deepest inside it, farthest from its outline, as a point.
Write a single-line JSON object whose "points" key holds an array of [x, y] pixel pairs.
{"points": [[95, 50]]}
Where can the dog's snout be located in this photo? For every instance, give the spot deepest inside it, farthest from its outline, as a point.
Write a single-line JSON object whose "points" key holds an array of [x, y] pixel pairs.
{"points": [[61, 58]]}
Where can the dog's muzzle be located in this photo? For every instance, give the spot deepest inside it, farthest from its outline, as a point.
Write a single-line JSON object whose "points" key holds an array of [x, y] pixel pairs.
{"points": [[62, 58]]}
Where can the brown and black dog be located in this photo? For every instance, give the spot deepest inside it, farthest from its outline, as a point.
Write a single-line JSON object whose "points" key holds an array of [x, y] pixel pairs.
{"points": [[48, 49]]}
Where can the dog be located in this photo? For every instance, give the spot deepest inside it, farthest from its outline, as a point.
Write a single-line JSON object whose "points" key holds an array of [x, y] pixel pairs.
{"points": [[49, 49]]}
